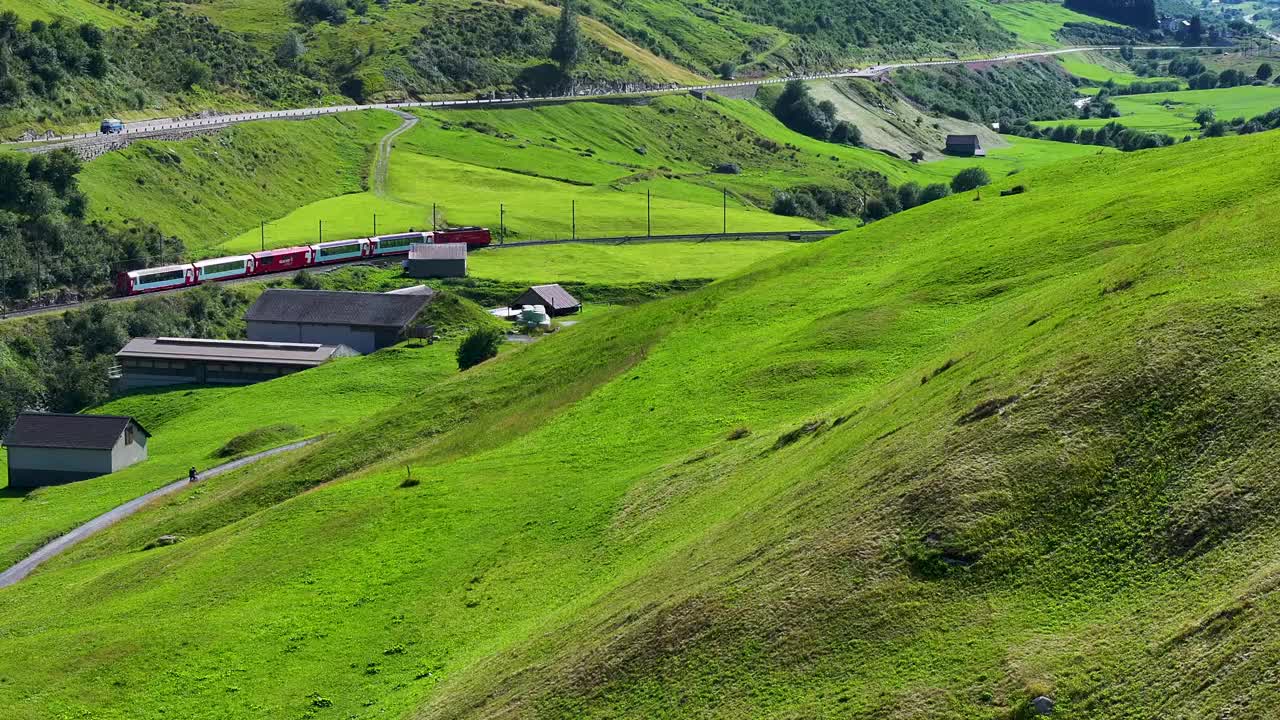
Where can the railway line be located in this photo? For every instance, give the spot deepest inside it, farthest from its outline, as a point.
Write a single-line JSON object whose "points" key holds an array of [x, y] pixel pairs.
{"points": [[169, 127], [793, 236]]}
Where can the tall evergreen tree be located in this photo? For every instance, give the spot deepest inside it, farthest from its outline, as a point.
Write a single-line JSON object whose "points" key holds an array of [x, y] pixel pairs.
{"points": [[567, 49]]}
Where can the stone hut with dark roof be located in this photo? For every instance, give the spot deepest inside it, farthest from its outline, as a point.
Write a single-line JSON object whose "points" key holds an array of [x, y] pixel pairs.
{"points": [[364, 322], [554, 298], [49, 449]]}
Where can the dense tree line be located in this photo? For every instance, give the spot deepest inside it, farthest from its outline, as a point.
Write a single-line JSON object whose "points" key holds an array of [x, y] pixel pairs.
{"points": [[798, 110], [59, 363], [874, 199], [1138, 13], [1020, 90], [1113, 134], [45, 241]]}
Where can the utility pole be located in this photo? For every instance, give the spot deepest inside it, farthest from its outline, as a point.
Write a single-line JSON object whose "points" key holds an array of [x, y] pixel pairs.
{"points": [[648, 212]]}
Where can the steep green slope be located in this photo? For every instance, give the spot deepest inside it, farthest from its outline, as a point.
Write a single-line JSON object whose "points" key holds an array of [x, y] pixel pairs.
{"points": [[208, 189], [933, 468]]}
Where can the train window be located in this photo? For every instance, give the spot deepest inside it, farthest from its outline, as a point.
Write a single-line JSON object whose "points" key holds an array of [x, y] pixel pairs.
{"points": [[224, 267], [339, 250], [162, 277]]}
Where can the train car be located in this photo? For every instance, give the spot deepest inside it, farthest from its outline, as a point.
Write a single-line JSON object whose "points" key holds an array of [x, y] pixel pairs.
{"points": [[339, 251], [273, 261], [169, 277], [474, 237], [227, 268], [396, 244]]}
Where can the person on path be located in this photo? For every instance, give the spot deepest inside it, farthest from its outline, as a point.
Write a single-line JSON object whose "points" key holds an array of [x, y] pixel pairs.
{"points": [[191, 474]]}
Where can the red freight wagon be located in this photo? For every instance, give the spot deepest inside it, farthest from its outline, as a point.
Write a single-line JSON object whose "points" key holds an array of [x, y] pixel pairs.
{"points": [[473, 236], [272, 261]]}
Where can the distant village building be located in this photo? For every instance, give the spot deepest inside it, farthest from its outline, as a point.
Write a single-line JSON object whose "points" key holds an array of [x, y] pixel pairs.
{"points": [[157, 362], [554, 298], [48, 449], [364, 322], [443, 260], [964, 146]]}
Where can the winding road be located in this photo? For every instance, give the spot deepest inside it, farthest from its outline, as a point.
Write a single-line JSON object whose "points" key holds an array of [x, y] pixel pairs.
{"points": [[65, 542], [169, 126]]}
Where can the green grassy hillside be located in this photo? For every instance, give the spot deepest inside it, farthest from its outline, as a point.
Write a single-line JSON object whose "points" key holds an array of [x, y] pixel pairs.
{"points": [[208, 188], [971, 454]]}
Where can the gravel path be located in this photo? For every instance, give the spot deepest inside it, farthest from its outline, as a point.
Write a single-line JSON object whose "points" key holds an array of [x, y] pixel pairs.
{"points": [[385, 145], [65, 542]]}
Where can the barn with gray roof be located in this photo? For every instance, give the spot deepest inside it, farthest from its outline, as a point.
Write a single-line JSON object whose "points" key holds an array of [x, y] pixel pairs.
{"points": [[364, 322], [51, 449]]}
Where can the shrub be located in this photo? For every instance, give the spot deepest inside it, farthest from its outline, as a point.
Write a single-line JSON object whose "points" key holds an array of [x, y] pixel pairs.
{"points": [[936, 191], [479, 346], [970, 179]]}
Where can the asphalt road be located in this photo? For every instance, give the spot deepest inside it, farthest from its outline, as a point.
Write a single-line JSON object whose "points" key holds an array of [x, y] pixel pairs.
{"points": [[60, 545], [169, 125]]}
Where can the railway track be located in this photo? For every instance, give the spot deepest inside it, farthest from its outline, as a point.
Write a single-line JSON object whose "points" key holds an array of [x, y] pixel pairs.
{"points": [[792, 236]]}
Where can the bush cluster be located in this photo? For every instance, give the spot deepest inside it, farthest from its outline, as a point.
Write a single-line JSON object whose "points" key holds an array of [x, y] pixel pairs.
{"points": [[1025, 89], [797, 109], [46, 242]]}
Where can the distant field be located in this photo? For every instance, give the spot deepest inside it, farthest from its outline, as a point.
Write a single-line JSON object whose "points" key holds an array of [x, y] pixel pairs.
{"points": [[77, 10], [1174, 112], [1035, 22], [188, 426], [1098, 68], [636, 262]]}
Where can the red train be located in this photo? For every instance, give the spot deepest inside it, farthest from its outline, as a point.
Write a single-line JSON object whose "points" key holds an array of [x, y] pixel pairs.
{"points": [[139, 282]]}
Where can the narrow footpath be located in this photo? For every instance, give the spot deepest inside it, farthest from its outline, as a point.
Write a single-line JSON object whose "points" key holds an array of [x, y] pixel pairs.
{"points": [[65, 542], [382, 167]]}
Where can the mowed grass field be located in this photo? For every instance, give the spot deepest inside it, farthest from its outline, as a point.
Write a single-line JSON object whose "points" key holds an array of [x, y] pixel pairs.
{"points": [[935, 467], [633, 262], [1174, 113], [190, 424], [1035, 22]]}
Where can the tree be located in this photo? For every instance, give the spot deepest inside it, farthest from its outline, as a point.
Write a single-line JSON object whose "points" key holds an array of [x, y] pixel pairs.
{"points": [[909, 195], [479, 346], [290, 50], [847, 133], [1264, 72], [970, 179], [567, 50], [1205, 116], [935, 191]]}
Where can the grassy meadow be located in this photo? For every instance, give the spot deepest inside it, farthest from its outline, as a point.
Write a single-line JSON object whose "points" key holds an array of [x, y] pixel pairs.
{"points": [[934, 467], [190, 426], [1034, 22], [1174, 113]]}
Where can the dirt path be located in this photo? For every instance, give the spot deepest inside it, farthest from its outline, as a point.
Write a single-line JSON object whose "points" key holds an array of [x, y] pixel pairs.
{"points": [[65, 542], [382, 167]]}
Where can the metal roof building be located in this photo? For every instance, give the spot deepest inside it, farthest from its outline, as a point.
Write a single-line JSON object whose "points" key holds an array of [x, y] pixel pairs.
{"points": [[364, 322], [153, 362], [437, 260], [554, 298], [50, 449]]}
